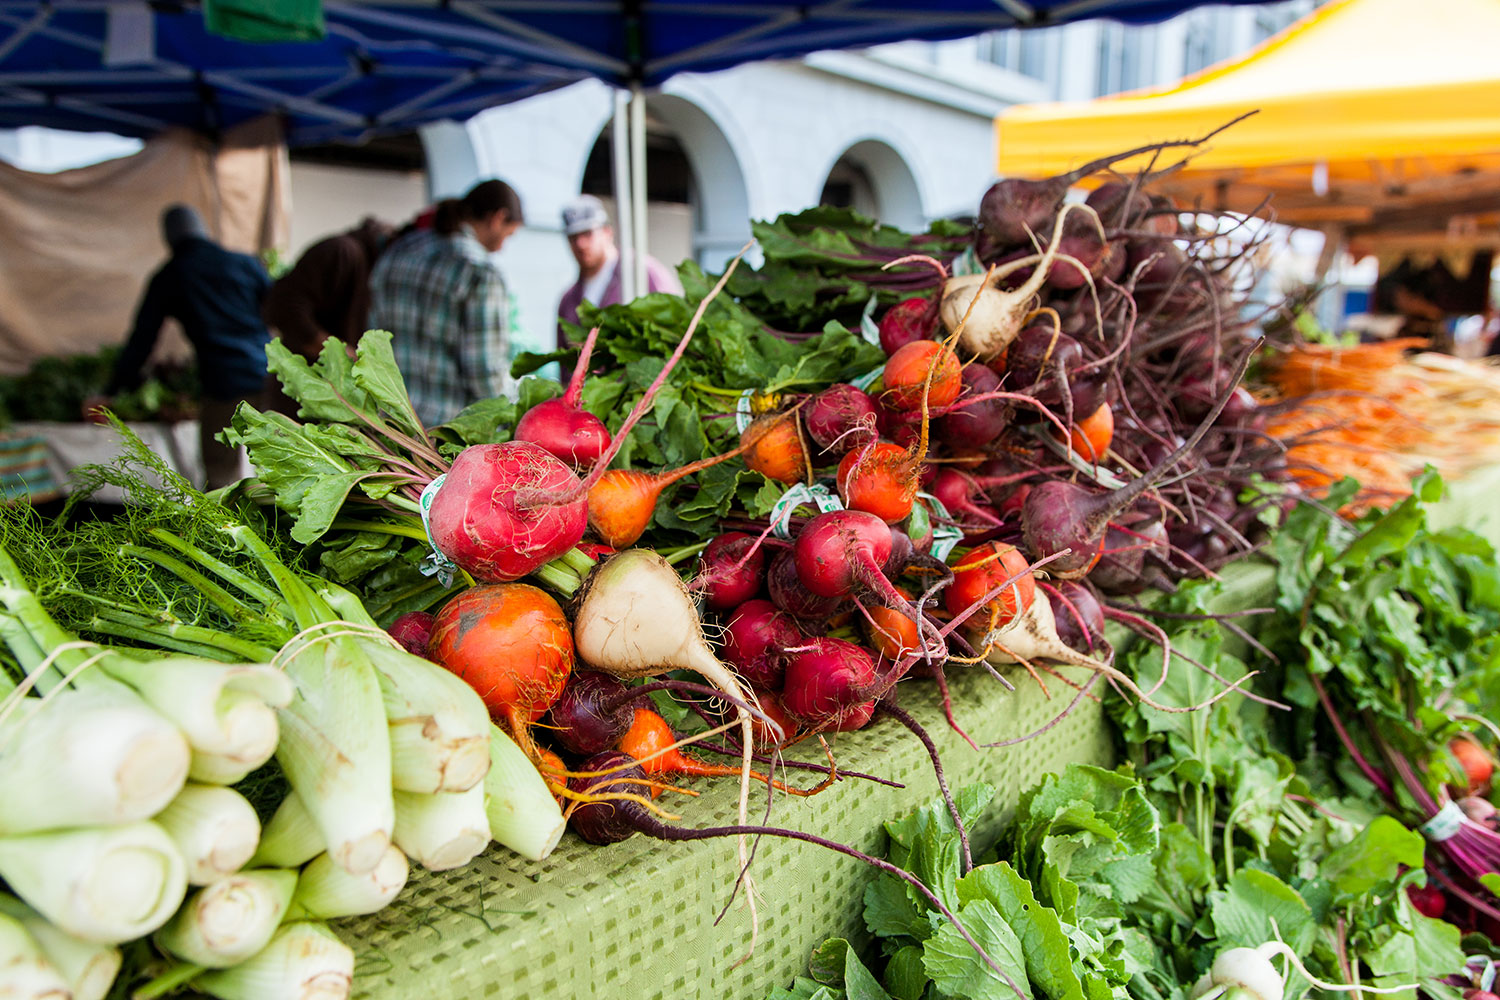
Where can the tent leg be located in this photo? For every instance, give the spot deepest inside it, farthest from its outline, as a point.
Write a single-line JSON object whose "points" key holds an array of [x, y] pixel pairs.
{"points": [[638, 184], [624, 195], [1331, 303]]}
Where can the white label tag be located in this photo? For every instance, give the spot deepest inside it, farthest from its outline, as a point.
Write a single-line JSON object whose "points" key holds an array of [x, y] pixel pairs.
{"points": [[435, 563], [1445, 825], [817, 495]]}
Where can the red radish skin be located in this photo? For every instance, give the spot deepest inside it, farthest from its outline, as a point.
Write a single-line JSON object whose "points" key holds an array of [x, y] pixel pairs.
{"points": [[512, 644], [840, 418], [826, 681], [731, 570], [1079, 615], [756, 638], [956, 492], [906, 375], [1428, 900], [563, 426], [493, 517], [908, 321], [413, 630]]}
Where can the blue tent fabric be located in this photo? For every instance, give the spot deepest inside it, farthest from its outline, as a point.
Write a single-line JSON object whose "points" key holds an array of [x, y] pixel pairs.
{"points": [[135, 68]]}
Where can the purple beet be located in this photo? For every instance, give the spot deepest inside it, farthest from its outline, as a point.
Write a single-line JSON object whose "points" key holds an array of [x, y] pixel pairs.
{"points": [[726, 578], [788, 593], [608, 822], [591, 714], [974, 426], [907, 321], [756, 638], [841, 418], [412, 630], [1079, 616]]}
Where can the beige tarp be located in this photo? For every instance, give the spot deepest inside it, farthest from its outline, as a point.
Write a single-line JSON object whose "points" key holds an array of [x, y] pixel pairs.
{"points": [[77, 247]]}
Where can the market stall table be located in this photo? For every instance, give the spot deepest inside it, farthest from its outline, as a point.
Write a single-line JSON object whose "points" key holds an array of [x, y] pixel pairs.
{"points": [[636, 919], [65, 447]]}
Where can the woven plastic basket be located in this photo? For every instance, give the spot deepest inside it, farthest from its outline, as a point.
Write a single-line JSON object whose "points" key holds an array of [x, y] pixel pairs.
{"points": [[636, 920]]}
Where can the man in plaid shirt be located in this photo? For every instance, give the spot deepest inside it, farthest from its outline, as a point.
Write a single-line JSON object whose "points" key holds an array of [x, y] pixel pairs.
{"points": [[446, 304]]}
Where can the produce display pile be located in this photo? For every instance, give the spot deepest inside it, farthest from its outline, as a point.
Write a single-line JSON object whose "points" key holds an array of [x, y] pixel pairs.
{"points": [[55, 389], [757, 514]]}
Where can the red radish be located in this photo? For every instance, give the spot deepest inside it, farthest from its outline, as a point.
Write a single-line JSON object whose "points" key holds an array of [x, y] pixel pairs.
{"points": [[908, 321], [840, 553], [880, 480], [563, 426], [1428, 900], [767, 738], [826, 684], [498, 515], [511, 643], [731, 570], [788, 593], [651, 742], [756, 638], [591, 713], [974, 427], [981, 570], [1061, 515], [412, 630], [1090, 437], [622, 501], [923, 368], [840, 418], [776, 450]]}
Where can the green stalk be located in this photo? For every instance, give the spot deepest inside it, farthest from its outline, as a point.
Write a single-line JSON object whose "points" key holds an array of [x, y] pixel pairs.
{"points": [[200, 638], [578, 561], [175, 976], [149, 637], [211, 591], [558, 577], [307, 608], [264, 595], [683, 554], [429, 583], [381, 528]]}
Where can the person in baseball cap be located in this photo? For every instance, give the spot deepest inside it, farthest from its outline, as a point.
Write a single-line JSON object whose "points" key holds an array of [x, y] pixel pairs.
{"points": [[591, 238]]}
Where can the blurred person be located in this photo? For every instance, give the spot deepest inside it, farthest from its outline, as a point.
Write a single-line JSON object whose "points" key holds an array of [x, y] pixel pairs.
{"points": [[216, 294], [445, 302], [592, 240], [327, 292]]}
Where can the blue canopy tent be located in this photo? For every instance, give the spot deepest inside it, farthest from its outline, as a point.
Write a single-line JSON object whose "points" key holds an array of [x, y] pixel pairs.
{"points": [[136, 67]]}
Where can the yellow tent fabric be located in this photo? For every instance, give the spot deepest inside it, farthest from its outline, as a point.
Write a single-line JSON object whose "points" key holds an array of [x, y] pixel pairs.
{"points": [[1363, 107]]}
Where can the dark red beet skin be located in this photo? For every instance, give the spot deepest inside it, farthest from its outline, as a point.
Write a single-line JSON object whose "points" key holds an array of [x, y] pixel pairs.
{"points": [[756, 638], [590, 715], [727, 578], [791, 596], [412, 630], [574, 435], [841, 418], [608, 822], [907, 321], [1079, 616], [497, 515], [974, 426], [823, 683]]}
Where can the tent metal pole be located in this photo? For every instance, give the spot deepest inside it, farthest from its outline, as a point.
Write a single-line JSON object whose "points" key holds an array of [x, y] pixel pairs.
{"points": [[638, 184], [624, 214]]}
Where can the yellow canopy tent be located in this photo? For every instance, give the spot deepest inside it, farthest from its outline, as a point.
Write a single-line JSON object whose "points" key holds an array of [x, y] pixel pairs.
{"points": [[1376, 118]]}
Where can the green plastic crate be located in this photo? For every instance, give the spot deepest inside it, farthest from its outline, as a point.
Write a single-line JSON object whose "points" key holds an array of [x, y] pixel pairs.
{"points": [[636, 919]]}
